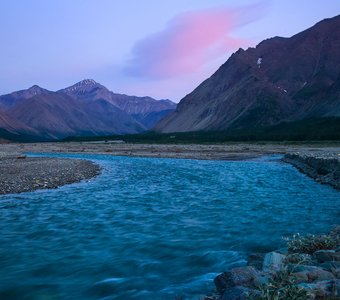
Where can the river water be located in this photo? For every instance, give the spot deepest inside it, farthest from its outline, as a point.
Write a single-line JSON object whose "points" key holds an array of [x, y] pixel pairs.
{"points": [[153, 228]]}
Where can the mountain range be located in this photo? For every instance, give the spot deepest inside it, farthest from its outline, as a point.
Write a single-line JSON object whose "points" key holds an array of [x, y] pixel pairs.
{"points": [[281, 80], [84, 109]]}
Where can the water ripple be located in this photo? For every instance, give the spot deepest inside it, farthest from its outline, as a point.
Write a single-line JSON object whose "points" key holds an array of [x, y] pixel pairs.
{"points": [[153, 228]]}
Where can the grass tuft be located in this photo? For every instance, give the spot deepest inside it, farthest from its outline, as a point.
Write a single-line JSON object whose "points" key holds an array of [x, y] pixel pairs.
{"points": [[310, 243]]}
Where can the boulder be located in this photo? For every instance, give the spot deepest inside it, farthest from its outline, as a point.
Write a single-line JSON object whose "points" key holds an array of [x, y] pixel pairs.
{"points": [[336, 288], [327, 289], [242, 276], [261, 279], [273, 262], [319, 275], [239, 293], [312, 273], [327, 255], [256, 260], [300, 277], [333, 267], [298, 258]]}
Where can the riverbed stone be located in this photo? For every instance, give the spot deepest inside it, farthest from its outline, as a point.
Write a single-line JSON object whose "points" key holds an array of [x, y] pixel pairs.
{"points": [[300, 277], [313, 273], [336, 288], [323, 289], [298, 258], [327, 255], [239, 293], [256, 260], [273, 262], [242, 276], [331, 266], [261, 279], [320, 275]]}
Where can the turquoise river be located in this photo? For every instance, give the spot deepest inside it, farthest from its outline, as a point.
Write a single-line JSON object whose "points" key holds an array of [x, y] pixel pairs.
{"points": [[153, 228]]}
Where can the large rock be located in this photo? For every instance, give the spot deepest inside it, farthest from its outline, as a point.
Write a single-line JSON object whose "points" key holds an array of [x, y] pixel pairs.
{"points": [[239, 293], [320, 275], [333, 267], [256, 260], [300, 277], [328, 289], [312, 273], [273, 262], [299, 258], [327, 255], [242, 276]]}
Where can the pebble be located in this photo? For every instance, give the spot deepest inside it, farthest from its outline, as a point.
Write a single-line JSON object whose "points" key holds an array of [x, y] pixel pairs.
{"points": [[33, 173]]}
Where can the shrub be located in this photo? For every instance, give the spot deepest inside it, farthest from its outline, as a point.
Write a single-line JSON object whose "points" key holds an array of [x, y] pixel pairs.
{"points": [[310, 243], [282, 287], [298, 259]]}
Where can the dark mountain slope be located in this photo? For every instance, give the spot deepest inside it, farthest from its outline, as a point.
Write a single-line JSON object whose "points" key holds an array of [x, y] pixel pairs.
{"points": [[13, 125], [281, 80], [11, 100], [56, 115], [140, 108]]}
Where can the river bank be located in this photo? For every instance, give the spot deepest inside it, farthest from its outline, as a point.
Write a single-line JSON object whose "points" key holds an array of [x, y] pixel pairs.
{"points": [[232, 151], [307, 269], [324, 167], [319, 161], [19, 173], [214, 220]]}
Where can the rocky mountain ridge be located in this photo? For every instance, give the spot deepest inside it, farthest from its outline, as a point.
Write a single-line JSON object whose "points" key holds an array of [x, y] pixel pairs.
{"points": [[281, 80], [86, 108], [140, 108]]}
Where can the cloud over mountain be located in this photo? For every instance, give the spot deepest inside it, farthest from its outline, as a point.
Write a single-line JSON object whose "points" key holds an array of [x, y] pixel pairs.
{"points": [[189, 41]]}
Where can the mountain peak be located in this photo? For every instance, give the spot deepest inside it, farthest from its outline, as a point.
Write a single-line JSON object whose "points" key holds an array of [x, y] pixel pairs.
{"points": [[87, 82], [84, 86], [35, 90]]}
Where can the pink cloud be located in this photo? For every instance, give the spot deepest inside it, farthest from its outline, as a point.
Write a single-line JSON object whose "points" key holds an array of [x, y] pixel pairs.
{"points": [[188, 42]]}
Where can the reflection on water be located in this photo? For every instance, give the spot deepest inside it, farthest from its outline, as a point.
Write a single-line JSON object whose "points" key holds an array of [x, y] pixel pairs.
{"points": [[153, 228]]}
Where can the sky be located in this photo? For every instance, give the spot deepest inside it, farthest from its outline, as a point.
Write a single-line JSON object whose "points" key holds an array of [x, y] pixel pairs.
{"points": [[163, 49]]}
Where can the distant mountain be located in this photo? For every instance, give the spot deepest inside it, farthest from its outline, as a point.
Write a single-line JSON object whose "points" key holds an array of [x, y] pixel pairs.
{"points": [[145, 110], [86, 108], [56, 115], [13, 129], [281, 80], [13, 99], [11, 124]]}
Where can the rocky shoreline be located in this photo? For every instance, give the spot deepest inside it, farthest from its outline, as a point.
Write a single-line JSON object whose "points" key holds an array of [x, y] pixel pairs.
{"points": [[231, 151], [309, 268], [309, 274], [324, 167], [19, 173], [319, 161]]}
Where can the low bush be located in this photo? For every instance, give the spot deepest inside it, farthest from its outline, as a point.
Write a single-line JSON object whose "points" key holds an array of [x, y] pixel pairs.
{"points": [[310, 243], [282, 287]]}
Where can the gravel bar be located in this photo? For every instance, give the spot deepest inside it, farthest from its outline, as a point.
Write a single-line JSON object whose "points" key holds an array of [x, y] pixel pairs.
{"points": [[24, 174], [324, 167]]}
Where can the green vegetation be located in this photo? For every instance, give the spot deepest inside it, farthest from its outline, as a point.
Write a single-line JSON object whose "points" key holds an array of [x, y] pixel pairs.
{"points": [[321, 129], [310, 243], [24, 138], [282, 286]]}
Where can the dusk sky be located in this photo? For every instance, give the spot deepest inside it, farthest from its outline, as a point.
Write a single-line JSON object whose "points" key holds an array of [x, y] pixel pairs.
{"points": [[162, 49]]}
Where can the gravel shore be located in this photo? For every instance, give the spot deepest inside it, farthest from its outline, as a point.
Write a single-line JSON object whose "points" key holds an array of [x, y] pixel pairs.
{"points": [[230, 151], [324, 167], [28, 174], [24, 174]]}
